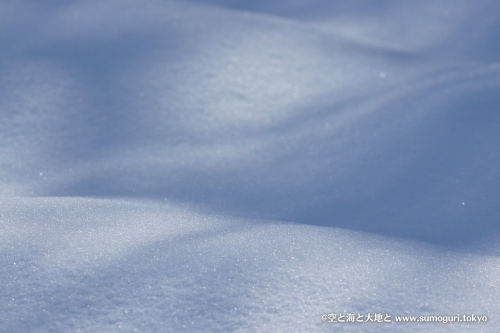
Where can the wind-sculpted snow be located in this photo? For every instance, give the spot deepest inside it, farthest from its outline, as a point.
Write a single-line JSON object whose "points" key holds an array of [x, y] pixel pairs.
{"points": [[109, 265], [371, 123]]}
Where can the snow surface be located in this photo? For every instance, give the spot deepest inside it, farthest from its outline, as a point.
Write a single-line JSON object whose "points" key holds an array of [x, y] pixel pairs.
{"points": [[246, 166]]}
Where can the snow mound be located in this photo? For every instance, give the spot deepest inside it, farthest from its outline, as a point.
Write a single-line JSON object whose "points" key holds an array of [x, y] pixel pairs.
{"points": [[90, 265]]}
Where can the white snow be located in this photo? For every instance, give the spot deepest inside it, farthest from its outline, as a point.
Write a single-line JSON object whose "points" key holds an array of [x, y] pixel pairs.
{"points": [[237, 166]]}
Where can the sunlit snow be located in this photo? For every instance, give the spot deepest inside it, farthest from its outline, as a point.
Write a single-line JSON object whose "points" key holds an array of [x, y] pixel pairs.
{"points": [[247, 166]]}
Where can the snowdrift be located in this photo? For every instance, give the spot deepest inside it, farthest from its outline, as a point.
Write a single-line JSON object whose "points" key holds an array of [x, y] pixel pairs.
{"points": [[248, 166]]}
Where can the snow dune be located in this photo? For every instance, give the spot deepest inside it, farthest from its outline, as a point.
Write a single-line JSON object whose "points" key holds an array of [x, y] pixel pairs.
{"points": [[247, 166], [75, 264]]}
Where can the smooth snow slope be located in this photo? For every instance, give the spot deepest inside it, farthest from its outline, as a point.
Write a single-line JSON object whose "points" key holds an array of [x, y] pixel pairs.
{"points": [[87, 265], [370, 127]]}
